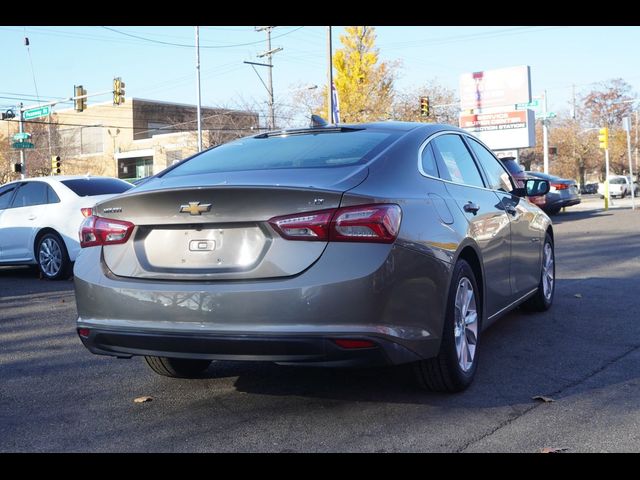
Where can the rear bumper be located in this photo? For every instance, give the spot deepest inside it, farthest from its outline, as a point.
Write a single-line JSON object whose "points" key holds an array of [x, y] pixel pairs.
{"points": [[319, 351], [389, 295]]}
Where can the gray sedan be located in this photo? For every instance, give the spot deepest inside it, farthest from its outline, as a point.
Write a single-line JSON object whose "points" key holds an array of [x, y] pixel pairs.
{"points": [[374, 244]]}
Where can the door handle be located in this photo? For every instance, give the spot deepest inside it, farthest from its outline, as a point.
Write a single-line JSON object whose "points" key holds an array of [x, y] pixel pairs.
{"points": [[510, 209], [32, 217], [471, 207]]}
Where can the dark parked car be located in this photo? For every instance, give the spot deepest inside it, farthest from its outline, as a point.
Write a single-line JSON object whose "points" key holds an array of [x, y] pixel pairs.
{"points": [[563, 192], [373, 244], [520, 176], [589, 188]]}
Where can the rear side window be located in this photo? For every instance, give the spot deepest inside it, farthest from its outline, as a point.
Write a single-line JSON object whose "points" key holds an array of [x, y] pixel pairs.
{"points": [[296, 150], [31, 193], [88, 187], [457, 160], [429, 161], [5, 195]]}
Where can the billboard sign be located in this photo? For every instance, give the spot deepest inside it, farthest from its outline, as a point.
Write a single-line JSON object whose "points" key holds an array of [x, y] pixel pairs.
{"points": [[502, 130], [504, 87]]}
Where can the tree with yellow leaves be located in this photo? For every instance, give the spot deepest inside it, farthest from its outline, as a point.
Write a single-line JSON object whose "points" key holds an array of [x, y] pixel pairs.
{"points": [[365, 87]]}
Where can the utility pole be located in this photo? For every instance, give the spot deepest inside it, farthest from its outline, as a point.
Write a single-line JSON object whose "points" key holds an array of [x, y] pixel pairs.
{"points": [[23, 166], [199, 116], [545, 135], [269, 53], [330, 77], [626, 124]]}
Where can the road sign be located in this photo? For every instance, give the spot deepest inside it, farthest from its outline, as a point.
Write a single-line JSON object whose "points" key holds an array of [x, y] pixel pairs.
{"points": [[22, 145], [21, 136], [37, 112], [524, 106], [548, 115]]}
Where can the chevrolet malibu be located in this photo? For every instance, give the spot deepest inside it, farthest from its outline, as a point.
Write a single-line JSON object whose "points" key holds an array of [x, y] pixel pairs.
{"points": [[374, 244]]}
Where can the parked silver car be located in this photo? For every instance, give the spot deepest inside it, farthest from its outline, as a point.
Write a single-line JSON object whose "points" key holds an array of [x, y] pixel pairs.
{"points": [[383, 243]]}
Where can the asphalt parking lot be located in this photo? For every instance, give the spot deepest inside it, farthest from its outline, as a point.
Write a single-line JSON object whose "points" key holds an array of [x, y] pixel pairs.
{"points": [[584, 354]]}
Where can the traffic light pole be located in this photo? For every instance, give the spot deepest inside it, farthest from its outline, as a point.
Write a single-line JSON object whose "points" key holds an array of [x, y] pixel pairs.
{"points": [[607, 198], [22, 160]]}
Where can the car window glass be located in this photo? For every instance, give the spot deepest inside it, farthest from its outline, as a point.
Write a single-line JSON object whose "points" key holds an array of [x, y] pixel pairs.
{"points": [[31, 193], [498, 177], [429, 161], [5, 195], [52, 197], [90, 186], [301, 150], [457, 160]]}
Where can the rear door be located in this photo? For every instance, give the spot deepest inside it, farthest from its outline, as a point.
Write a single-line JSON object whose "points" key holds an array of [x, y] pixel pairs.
{"points": [[488, 224]]}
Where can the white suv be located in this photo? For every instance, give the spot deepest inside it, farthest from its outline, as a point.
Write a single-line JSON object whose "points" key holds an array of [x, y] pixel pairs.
{"points": [[40, 218]]}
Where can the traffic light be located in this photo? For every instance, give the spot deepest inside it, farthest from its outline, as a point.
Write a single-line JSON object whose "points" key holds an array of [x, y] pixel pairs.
{"points": [[424, 106], [79, 103], [56, 165], [604, 138], [17, 167], [118, 91]]}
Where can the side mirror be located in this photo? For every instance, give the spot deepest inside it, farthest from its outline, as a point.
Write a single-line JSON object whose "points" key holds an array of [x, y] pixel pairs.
{"points": [[533, 187]]}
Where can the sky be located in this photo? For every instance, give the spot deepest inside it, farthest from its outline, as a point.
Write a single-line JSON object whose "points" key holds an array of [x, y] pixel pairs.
{"points": [[153, 67]]}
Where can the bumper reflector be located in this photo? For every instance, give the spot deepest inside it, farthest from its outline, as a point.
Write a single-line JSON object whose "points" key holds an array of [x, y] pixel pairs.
{"points": [[348, 343]]}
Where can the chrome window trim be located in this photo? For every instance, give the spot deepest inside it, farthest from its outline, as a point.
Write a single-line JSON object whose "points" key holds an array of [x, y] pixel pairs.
{"points": [[424, 174]]}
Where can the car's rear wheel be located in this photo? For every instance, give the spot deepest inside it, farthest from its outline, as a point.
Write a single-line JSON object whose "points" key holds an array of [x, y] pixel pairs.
{"points": [[52, 257], [543, 298], [177, 367], [455, 366]]}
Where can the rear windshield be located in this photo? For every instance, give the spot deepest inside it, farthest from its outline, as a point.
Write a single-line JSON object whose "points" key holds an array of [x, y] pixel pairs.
{"points": [[88, 187], [306, 150], [617, 181]]}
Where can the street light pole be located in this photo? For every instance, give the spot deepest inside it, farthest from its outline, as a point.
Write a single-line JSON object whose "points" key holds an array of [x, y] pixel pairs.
{"points": [[199, 115], [626, 124], [330, 77], [545, 135], [23, 166]]}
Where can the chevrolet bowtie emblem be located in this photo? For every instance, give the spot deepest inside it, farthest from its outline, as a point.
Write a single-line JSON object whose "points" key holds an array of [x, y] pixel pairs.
{"points": [[194, 208]]}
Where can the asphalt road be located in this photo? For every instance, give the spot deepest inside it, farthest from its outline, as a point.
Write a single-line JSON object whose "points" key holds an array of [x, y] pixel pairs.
{"points": [[584, 353]]}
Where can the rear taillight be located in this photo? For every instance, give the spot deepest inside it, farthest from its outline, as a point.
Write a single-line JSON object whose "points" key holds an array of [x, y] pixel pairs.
{"points": [[560, 186], [104, 231], [86, 212], [378, 223]]}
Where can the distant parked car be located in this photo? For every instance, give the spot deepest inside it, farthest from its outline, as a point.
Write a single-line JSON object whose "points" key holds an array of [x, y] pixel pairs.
{"points": [[519, 175], [40, 217], [563, 192], [589, 188], [619, 186]]}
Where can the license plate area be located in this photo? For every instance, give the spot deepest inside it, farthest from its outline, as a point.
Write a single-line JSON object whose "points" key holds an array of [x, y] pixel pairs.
{"points": [[201, 249]]}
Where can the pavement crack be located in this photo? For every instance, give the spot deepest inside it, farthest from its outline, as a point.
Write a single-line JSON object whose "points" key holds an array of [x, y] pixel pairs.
{"points": [[524, 412]]}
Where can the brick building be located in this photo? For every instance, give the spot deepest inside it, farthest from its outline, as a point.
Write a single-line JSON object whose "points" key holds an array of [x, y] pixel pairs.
{"points": [[132, 140]]}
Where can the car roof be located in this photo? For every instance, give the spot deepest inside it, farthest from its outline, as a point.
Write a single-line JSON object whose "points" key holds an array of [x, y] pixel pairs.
{"points": [[390, 125], [59, 178]]}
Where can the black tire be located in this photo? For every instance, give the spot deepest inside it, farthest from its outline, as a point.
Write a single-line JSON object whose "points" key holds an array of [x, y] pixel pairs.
{"points": [[541, 302], [177, 367], [553, 211], [444, 372], [52, 257]]}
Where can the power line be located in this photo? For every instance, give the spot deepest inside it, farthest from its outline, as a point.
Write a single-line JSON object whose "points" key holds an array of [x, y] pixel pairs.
{"points": [[193, 46]]}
